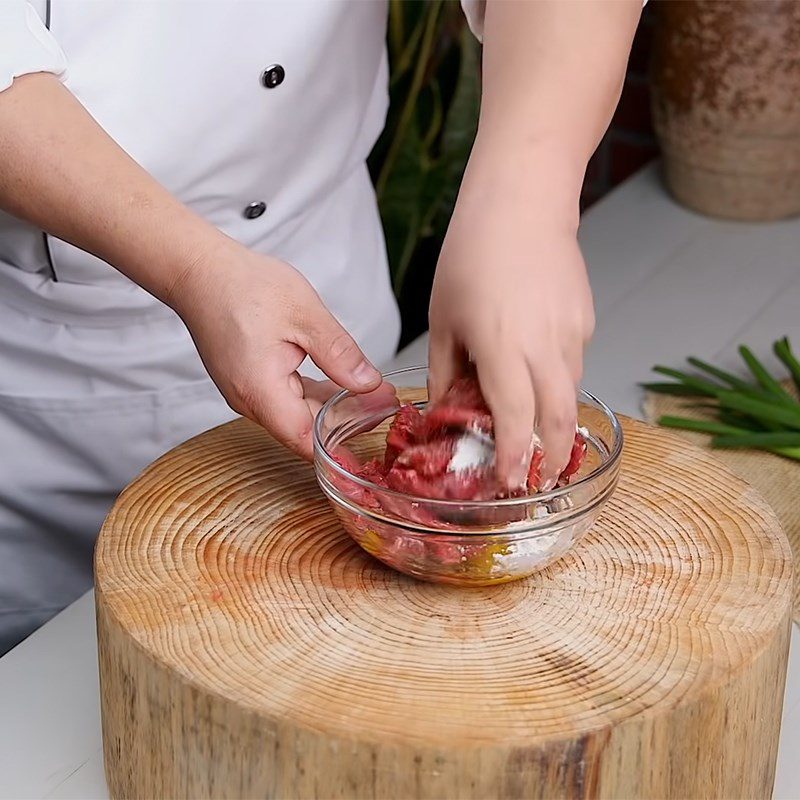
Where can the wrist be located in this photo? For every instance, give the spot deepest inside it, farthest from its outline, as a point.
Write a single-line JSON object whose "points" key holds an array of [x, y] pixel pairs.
{"points": [[543, 175], [196, 268]]}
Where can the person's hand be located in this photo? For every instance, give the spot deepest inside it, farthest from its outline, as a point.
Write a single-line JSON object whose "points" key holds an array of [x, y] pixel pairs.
{"points": [[511, 293], [254, 319]]}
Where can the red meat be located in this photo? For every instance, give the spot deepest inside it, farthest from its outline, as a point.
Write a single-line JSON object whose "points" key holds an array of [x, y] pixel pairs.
{"points": [[535, 469], [371, 471], [403, 432], [462, 407], [420, 448], [423, 470], [576, 459]]}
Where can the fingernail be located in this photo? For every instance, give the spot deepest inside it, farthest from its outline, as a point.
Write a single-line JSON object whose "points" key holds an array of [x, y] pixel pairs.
{"points": [[365, 374]]}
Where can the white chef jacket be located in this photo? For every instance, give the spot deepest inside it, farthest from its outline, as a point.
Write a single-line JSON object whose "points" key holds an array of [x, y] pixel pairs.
{"points": [[257, 114]]}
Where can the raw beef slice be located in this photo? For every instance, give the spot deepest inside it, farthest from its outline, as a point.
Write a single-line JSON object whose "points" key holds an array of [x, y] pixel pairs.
{"points": [[420, 448]]}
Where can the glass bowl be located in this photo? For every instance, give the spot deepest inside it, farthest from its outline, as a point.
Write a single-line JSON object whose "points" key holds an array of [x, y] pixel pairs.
{"points": [[476, 543]]}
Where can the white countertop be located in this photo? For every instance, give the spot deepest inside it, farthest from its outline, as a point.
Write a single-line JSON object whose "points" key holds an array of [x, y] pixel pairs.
{"points": [[667, 284]]}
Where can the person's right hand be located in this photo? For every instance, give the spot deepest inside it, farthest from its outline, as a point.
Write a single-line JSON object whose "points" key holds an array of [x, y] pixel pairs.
{"points": [[254, 319]]}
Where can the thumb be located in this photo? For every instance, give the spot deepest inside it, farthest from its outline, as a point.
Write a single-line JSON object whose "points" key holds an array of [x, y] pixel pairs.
{"points": [[335, 352]]}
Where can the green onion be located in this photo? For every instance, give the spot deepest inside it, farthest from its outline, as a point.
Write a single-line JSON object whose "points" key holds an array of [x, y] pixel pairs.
{"points": [[787, 452], [777, 412], [702, 385], [783, 350], [673, 388], [739, 420], [727, 377], [701, 425], [763, 439], [762, 376], [762, 443], [757, 414]]}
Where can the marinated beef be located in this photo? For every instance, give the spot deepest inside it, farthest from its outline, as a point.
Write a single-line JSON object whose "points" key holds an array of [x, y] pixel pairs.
{"points": [[447, 453]]}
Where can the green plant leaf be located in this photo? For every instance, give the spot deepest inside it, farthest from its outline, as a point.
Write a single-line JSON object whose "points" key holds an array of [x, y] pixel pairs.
{"points": [[461, 125], [421, 154], [786, 452], [762, 416], [437, 116], [400, 205], [680, 389], [763, 377], [397, 35], [408, 112], [780, 444], [726, 377], [776, 413], [738, 420], [731, 436], [462, 116], [700, 384], [433, 189], [699, 425], [758, 440], [407, 47], [783, 350]]}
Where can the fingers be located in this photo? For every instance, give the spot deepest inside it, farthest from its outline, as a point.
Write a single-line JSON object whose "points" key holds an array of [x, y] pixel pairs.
{"points": [[295, 429], [287, 404], [526, 395], [556, 411], [334, 351], [572, 353], [279, 405], [375, 404], [443, 364], [507, 387], [316, 393], [380, 399]]}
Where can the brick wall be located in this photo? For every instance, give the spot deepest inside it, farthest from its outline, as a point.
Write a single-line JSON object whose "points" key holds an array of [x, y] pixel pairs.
{"points": [[630, 142]]}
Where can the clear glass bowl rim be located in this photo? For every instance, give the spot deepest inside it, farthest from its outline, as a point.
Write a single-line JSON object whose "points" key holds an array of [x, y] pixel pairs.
{"points": [[321, 451]]}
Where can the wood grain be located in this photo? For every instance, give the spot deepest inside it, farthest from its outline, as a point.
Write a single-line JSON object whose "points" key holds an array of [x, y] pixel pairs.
{"points": [[776, 479], [249, 649]]}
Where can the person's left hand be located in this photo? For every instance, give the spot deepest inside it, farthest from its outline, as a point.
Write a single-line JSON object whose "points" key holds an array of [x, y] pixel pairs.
{"points": [[511, 293]]}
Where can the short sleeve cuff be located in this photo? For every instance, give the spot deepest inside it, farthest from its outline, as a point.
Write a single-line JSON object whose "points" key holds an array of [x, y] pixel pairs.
{"points": [[474, 11], [26, 46]]}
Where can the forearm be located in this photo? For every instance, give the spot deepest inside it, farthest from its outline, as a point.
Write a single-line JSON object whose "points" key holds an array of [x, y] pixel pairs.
{"points": [[60, 171], [552, 75]]}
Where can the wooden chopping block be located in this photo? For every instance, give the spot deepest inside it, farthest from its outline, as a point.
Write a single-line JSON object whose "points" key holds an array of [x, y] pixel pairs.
{"points": [[248, 648]]}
